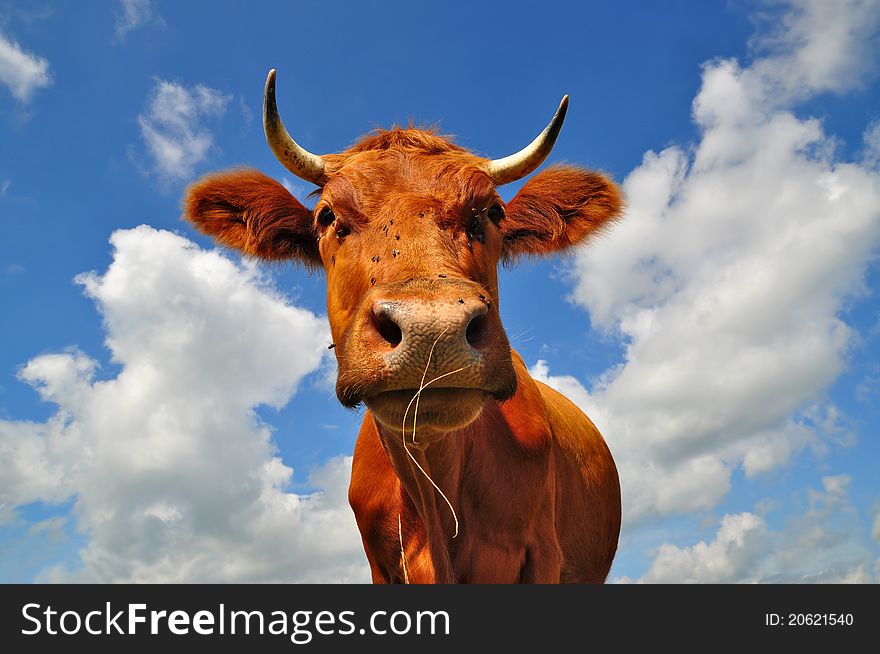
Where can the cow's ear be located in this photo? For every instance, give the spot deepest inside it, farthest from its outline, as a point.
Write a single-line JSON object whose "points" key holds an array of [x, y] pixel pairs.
{"points": [[252, 213], [557, 209]]}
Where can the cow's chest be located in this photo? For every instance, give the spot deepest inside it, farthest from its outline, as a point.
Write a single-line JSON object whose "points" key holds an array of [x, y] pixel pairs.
{"points": [[481, 561], [472, 558], [496, 549]]}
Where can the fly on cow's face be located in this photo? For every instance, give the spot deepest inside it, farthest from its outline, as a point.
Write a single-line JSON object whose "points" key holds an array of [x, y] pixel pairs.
{"points": [[476, 230]]}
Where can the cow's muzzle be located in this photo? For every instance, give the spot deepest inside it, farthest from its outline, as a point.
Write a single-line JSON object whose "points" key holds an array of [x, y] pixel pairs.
{"points": [[430, 335]]}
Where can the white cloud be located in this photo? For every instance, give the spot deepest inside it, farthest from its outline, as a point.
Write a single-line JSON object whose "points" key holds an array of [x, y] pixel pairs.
{"points": [[823, 545], [4, 186], [22, 72], [172, 127], [814, 46], [727, 276], [174, 476], [871, 139], [134, 14], [739, 539]]}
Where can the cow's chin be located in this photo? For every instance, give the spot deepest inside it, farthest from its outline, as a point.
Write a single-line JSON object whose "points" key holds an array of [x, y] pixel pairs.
{"points": [[440, 410]]}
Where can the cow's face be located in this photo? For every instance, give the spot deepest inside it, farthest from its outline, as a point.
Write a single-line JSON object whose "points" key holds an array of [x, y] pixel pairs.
{"points": [[409, 230], [410, 242]]}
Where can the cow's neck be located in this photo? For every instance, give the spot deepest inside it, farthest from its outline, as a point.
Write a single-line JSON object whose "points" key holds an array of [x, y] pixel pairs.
{"points": [[429, 472]]}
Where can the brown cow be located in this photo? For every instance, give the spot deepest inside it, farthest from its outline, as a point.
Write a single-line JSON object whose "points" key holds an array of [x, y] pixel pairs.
{"points": [[465, 469]]}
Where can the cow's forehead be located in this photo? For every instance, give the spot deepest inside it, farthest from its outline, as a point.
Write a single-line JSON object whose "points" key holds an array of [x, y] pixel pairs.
{"points": [[378, 181], [388, 164]]}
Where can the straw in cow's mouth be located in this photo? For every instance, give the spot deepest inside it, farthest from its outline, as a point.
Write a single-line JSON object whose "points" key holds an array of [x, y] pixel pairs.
{"points": [[402, 551], [415, 398]]}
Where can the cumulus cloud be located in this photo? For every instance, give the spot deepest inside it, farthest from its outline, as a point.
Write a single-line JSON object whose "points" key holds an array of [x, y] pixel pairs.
{"points": [[133, 14], [173, 130], [822, 545], [814, 46], [726, 279], [739, 539], [872, 144], [173, 475], [22, 72]]}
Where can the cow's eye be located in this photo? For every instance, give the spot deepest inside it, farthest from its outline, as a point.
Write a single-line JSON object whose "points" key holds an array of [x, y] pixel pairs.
{"points": [[326, 217], [495, 213]]}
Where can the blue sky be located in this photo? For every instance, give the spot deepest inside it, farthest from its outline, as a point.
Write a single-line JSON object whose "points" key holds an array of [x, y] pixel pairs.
{"points": [[167, 412]]}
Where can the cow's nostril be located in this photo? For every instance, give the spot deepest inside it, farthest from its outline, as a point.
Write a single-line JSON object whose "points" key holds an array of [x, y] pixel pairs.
{"points": [[387, 328], [476, 332]]}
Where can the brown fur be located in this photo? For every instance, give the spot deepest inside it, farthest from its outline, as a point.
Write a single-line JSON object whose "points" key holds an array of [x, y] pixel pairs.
{"points": [[557, 209], [534, 485], [248, 211]]}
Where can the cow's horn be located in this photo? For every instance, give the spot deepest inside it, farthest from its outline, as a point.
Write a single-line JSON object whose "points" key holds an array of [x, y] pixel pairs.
{"points": [[516, 166], [295, 158]]}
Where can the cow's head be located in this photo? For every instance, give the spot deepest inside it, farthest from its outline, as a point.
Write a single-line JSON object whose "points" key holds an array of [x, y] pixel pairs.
{"points": [[409, 229]]}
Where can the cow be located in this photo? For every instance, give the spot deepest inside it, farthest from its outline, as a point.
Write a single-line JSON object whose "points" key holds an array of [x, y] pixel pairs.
{"points": [[465, 469]]}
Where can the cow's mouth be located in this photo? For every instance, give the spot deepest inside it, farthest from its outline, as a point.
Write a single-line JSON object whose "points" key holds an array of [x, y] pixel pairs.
{"points": [[439, 409]]}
